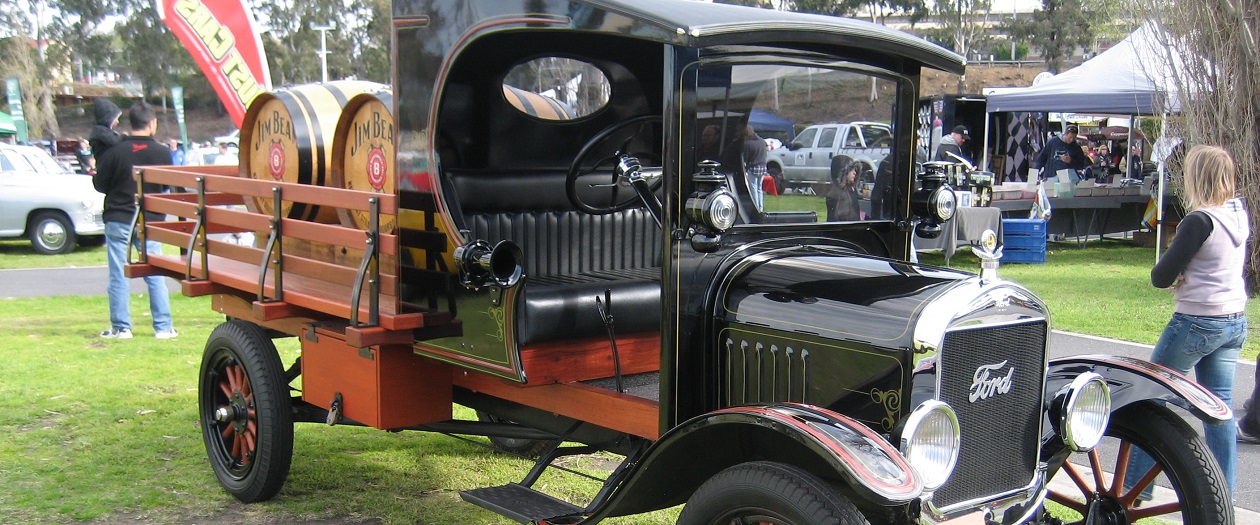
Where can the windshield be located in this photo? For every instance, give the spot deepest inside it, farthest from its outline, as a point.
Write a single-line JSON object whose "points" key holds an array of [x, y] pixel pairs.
{"points": [[802, 144]]}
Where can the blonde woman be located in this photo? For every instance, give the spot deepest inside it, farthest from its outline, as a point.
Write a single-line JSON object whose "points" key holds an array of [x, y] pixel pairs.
{"points": [[1204, 267]]}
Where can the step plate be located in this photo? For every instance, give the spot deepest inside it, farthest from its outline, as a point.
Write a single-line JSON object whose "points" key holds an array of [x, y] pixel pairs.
{"points": [[520, 503]]}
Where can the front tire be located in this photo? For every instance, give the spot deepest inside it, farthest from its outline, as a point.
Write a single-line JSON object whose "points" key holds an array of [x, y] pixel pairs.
{"points": [[1182, 456], [51, 233], [768, 493], [245, 410]]}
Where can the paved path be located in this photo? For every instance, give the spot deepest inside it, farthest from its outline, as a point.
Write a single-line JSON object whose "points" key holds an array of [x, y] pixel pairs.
{"points": [[47, 282], [91, 281]]}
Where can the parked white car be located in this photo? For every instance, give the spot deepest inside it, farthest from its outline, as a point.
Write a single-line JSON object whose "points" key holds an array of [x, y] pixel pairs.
{"points": [[45, 202]]}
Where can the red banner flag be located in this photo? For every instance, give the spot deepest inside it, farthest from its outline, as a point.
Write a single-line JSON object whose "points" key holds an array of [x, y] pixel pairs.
{"points": [[222, 38]]}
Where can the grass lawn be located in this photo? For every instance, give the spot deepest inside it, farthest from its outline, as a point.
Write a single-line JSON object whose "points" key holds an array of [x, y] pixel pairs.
{"points": [[107, 431], [19, 254]]}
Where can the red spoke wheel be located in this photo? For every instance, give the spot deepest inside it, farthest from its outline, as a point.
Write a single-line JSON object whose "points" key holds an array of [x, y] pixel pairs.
{"points": [[245, 411], [768, 493], [1103, 491]]}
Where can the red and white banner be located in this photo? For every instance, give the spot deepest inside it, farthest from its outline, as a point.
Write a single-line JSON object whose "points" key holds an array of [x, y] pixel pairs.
{"points": [[223, 39]]}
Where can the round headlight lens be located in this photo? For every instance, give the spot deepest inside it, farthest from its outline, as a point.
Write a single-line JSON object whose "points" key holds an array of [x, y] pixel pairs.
{"points": [[1086, 412], [720, 211], [930, 442], [943, 203]]}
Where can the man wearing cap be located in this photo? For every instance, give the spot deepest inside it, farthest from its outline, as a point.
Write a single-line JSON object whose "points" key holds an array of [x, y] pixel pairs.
{"points": [[953, 144], [1062, 153]]}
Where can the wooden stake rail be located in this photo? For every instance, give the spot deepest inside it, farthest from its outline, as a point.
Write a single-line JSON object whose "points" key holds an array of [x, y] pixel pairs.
{"points": [[338, 274]]}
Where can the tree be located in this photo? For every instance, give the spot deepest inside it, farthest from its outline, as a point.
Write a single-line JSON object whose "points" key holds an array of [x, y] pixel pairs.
{"points": [[1211, 49], [1057, 29], [22, 56]]}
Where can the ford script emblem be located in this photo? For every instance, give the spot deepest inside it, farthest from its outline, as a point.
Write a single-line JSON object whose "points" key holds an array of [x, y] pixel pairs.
{"points": [[987, 381]]}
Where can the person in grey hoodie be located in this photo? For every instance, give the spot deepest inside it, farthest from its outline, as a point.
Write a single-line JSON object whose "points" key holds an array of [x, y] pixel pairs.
{"points": [[103, 136], [1204, 267]]}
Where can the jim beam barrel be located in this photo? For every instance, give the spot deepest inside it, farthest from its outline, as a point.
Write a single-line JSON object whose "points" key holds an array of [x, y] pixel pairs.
{"points": [[363, 155], [287, 136]]}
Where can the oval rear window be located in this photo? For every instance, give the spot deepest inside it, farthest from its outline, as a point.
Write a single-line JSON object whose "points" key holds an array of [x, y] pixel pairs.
{"points": [[556, 88]]}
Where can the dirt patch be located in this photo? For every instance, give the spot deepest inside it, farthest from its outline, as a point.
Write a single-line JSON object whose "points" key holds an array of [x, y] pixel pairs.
{"points": [[203, 124], [978, 76]]}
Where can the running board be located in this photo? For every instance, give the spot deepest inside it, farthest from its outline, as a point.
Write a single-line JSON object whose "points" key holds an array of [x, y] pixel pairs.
{"points": [[520, 503]]}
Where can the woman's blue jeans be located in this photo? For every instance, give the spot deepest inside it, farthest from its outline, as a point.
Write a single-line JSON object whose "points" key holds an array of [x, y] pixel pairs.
{"points": [[116, 234], [1210, 345]]}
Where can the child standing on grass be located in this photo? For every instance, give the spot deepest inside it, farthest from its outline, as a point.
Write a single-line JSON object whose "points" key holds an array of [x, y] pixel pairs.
{"points": [[1204, 267]]}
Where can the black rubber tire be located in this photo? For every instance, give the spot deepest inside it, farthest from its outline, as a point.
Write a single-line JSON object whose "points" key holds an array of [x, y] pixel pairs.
{"points": [[51, 233], [241, 371], [524, 447], [91, 241], [1187, 464], [765, 492]]}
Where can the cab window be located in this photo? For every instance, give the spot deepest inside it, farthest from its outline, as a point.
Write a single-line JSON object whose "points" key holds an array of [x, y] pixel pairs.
{"points": [[826, 133]]}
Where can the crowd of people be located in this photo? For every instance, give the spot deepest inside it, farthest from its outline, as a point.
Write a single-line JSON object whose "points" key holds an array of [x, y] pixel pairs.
{"points": [[1082, 159]]}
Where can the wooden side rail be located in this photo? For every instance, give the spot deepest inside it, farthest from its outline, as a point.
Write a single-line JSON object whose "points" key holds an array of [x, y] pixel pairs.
{"points": [[219, 180], [308, 269]]}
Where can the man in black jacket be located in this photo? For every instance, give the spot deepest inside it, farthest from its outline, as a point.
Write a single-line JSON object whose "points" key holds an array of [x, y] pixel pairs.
{"points": [[1062, 153], [114, 178]]}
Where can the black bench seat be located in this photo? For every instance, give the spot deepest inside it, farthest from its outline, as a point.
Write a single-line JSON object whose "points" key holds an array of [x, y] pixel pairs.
{"points": [[559, 307]]}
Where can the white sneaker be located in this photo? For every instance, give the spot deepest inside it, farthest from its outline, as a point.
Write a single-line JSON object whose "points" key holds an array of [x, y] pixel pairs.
{"points": [[117, 333], [166, 334]]}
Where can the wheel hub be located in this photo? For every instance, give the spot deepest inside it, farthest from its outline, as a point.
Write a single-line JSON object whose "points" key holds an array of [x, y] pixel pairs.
{"points": [[52, 234], [1104, 510], [235, 412]]}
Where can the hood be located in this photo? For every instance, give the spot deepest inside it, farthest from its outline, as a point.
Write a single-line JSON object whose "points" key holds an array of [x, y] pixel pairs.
{"points": [[809, 288], [1231, 217], [105, 111]]}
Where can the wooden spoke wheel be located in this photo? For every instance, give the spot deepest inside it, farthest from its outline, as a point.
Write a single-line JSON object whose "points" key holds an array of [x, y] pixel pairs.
{"points": [[246, 417], [1105, 491]]}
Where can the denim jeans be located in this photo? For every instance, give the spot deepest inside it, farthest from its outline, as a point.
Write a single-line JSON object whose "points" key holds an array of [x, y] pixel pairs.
{"points": [[116, 234], [1210, 345]]}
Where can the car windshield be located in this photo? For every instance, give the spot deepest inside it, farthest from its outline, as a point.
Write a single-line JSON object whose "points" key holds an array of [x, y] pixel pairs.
{"points": [[40, 162], [823, 113]]}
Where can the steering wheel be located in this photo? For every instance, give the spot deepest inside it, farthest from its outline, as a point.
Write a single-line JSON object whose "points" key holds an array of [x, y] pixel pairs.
{"points": [[602, 154]]}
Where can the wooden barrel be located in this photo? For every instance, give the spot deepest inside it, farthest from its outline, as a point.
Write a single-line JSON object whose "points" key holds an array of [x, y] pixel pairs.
{"points": [[536, 105], [363, 155], [287, 136]]}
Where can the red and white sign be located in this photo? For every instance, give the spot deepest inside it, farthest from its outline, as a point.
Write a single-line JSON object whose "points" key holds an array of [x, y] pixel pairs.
{"points": [[223, 39]]}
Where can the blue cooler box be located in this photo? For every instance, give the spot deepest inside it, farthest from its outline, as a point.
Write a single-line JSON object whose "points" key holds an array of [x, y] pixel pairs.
{"points": [[1024, 241]]}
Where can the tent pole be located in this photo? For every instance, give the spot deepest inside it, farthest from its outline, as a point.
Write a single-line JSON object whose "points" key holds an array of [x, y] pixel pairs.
{"points": [[984, 146], [1159, 206]]}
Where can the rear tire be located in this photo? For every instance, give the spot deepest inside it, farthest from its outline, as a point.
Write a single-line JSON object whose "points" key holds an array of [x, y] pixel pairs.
{"points": [[246, 414], [768, 493]]}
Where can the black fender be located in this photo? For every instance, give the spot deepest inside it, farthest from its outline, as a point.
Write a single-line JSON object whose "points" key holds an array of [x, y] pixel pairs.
{"points": [[1134, 380], [826, 444]]}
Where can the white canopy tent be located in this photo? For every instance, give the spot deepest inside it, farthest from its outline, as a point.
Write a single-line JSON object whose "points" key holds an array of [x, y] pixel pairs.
{"points": [[1134, 77]]}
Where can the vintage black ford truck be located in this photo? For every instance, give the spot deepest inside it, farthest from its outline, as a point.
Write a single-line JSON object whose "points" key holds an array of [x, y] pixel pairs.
{"points": [[549, 238]]}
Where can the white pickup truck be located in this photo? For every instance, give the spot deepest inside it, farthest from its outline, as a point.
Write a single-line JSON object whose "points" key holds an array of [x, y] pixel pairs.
{"points": [[822, 150]]}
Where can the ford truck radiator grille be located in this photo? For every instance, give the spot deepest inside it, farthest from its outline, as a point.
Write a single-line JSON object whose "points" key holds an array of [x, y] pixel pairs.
{"points": [[993, 377]]}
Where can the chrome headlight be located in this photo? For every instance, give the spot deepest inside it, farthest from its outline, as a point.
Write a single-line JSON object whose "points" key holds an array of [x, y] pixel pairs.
{"points": [[930, 442], [716, 210], [943, 203], [1085, 412]]}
